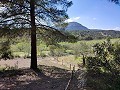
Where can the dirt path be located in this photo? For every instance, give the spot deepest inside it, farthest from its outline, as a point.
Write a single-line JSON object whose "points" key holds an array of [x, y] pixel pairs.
{"points": [[25, 63]]}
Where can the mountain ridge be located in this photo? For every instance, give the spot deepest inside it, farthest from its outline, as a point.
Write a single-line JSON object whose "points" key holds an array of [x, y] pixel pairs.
{"points": [[85, 33], [75, 26]]}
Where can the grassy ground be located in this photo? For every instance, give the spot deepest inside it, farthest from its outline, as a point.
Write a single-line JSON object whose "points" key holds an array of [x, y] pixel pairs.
{"points": [[22, 48], [91, 42]]}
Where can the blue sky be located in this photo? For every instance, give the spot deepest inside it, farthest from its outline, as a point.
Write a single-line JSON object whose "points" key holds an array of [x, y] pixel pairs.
{"points": [[100, 14]]}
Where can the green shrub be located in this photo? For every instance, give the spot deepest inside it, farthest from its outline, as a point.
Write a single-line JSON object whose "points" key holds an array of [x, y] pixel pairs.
{"points": [[42, 55], [5, 51], [104, 68], [26, 56], [57, 51]]}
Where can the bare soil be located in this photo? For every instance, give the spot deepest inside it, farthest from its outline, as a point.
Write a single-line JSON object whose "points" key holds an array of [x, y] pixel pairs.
{"points": [[52, 75], [27, 79], [48, 61]]}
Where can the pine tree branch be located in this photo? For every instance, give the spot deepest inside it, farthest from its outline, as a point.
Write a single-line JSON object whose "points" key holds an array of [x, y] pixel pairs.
{"points": [[10, 1]]}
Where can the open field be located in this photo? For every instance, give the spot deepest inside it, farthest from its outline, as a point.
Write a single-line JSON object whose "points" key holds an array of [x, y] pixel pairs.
{"points": [[19, 49], [22, 48], [91, 42]]}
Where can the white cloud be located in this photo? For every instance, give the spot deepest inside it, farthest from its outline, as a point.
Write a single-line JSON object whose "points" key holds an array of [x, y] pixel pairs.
{"points": [[116, 28], [94, 18], [74, 19]]}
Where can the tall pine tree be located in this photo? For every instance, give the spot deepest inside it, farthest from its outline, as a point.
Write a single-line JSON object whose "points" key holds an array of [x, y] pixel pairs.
{"points": [[32, 14]]}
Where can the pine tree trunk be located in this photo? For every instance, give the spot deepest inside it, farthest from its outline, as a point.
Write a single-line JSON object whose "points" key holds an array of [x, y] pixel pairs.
{"points": [[84, 60], [33, 36]]}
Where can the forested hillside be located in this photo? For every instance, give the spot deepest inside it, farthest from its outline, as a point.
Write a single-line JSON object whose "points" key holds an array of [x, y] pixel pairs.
{"points": [[95, 34]]}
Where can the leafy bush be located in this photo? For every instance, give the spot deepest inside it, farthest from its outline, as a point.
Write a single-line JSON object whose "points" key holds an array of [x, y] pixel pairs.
{"points": [[107, 56], [104, 68], [42, 54], [27, 56], [57, 51], [5, 51], [88, 38]]}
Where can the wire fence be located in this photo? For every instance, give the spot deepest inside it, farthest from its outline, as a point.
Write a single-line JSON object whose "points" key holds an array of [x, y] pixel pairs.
{"points": [[71, 78]]}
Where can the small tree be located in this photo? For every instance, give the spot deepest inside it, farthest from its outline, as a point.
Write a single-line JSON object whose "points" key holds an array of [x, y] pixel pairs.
{"points": [[5, 51], [107, 57], [81, 49]]}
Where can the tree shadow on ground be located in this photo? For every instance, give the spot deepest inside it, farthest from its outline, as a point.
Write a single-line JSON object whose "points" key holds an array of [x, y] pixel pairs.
{"points": [[45, 78]]}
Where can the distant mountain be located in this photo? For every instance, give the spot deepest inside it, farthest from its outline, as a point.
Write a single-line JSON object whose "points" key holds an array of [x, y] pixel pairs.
{"points": [[75, 26], [83, 33]]}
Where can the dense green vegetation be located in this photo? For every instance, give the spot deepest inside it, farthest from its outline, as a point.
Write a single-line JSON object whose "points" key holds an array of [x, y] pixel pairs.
{"points": [[20, 47], [95, 34], [104, 66]]}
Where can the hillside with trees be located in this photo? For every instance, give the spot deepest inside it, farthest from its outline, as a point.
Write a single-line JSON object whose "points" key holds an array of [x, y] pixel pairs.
{"points": [[95, 34], [83, 33]]}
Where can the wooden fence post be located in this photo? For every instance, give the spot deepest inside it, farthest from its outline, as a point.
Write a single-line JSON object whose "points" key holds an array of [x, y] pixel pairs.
{"points": [[62, 62], [70, 66]]}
